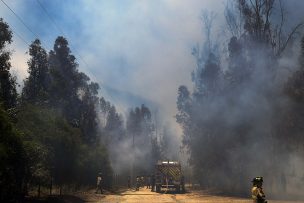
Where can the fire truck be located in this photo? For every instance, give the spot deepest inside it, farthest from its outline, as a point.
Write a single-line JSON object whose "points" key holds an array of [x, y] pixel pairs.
{"points": [[168, 175]]}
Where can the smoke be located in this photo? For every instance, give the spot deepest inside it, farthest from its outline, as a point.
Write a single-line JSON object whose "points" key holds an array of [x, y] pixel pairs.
{"points": [[139, 51], [235, 121], [136, 146], [247, 145], [137, 48]]}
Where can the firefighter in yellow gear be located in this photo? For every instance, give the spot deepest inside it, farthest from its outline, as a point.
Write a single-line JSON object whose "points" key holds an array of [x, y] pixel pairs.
{"points": [[137, 183], [257, 192]]}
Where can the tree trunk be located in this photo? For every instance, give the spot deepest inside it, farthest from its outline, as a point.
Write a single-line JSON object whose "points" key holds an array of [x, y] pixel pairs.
{"points": [[39, 188]]}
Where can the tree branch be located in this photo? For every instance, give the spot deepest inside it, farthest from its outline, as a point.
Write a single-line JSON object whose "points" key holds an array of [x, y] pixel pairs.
{"points": [[293, 32]]}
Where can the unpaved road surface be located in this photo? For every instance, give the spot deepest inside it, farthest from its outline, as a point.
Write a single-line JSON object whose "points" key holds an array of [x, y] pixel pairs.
{"points": [[145, 196]]}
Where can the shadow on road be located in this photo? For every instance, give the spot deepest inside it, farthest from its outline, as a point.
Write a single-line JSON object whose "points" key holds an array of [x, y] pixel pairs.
{"points": [[137, 194], [172, 192], [55, 199]]}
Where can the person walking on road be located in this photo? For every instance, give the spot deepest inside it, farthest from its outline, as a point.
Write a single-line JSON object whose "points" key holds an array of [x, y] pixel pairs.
{"points": [[152, 182], [148, 182], [99, 183], [137, 183], [183, 184], [129, 182]]}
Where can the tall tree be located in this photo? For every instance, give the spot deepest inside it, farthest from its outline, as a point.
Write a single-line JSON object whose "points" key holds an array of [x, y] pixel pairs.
{"points": [[36, 85], [71, 90], [8, 93], [114, 127], [65, 78], [144, 146], [87, 111], [105, 107]]}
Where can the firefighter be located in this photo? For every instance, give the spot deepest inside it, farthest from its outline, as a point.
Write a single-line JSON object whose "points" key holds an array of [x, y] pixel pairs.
{"points": [[129, 182], [137, 183], [142, 181], [99, 183], [257, 193], [148, 182], [152, 182], [183, 184]]}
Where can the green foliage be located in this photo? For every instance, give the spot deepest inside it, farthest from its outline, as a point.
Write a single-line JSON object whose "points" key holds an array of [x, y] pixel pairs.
{"points": [[56, 119], [55, 149], [72, 92], [91, 162], [36, 84], [37, 159], [8, 93], [61, 134], [12, 161], [63, 68], [52, 144]]}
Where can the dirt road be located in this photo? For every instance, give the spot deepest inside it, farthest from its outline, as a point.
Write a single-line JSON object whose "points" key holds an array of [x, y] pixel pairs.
{"points": [[145, 195]]}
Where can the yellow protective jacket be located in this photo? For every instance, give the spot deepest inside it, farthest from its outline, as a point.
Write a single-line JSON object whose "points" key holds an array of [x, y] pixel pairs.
{"points": [[257, 194]]}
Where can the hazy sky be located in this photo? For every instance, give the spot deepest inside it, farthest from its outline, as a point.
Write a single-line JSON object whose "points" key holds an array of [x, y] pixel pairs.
{"points": [[138, 50]]}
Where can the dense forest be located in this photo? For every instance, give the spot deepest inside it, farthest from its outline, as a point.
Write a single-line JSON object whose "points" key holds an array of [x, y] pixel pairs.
{"points": [[244, 116], [241, 117], [58, 131]]}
